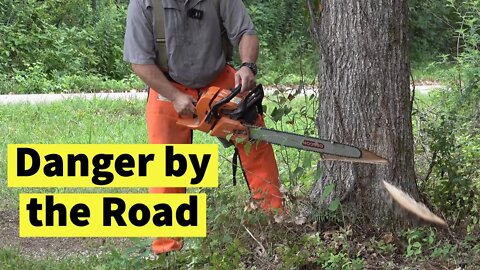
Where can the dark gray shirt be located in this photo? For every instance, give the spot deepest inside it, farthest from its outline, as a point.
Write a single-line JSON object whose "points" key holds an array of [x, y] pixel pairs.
{"points": [[194, 47]]}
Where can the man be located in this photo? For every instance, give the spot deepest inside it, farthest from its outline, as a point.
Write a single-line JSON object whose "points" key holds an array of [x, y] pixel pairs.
{"points": [[196, 61]]}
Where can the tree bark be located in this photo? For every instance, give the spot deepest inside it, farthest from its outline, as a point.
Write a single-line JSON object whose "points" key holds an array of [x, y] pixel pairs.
{"points": [[365, 101]]}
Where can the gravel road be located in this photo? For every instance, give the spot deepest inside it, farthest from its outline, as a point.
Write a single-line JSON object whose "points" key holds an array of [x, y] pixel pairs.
{"points": [[42, 98]]}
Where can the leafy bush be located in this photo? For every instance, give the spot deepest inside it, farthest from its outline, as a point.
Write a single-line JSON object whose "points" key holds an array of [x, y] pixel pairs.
{"points": [[431, 27], [108, 41], [47, 40], [285, 41], [449, 129]]}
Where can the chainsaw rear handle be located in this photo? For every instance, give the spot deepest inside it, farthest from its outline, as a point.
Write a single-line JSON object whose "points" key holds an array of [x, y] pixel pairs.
{"points": [[214, 109]]}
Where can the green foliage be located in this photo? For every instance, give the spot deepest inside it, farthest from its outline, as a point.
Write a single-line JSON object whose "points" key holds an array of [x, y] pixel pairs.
{"points": [[294, 110], [44, 42], [278, 21], [448, 127], [288, 53], [431, 27], [415, 240], [425, 242], [35, 81], [109, 31], [384, 247]]}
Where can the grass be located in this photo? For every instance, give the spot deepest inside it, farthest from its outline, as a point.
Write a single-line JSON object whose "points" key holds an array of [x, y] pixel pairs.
{"points": [[237, 239], [78, 121], [72, 121], [431, 72]]}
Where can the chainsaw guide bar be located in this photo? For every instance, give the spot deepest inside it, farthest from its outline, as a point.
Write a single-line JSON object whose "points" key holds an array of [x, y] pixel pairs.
{"points": [[330, 150]]}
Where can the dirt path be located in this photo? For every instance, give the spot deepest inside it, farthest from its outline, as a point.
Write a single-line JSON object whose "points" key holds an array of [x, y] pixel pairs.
{"points": [[57, 248]]}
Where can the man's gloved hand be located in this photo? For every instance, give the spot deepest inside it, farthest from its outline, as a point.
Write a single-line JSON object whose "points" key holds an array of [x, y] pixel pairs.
{"points": [[184, 104], [246, 78]]}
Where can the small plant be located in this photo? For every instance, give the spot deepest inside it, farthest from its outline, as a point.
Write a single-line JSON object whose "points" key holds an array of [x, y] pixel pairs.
{"points": [[443, 250], [414, 247], [384, 246]]}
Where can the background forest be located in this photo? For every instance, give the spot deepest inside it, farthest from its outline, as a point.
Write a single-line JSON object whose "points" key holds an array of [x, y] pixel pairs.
{"points": [[69, 46]]}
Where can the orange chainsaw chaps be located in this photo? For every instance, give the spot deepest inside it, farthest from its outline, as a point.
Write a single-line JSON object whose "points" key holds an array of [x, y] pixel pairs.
{"points": [[163, 245], [226, 126]]}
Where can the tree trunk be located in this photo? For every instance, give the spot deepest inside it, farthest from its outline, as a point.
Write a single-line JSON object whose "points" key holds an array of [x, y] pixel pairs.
{"points": [[365, 101]]}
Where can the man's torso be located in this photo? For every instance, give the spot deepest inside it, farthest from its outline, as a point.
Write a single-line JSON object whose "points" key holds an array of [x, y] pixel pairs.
{"points": [[194, 45]]}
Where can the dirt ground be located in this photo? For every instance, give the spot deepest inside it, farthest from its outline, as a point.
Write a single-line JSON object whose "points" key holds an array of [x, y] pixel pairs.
{"points": [[57, 248]]}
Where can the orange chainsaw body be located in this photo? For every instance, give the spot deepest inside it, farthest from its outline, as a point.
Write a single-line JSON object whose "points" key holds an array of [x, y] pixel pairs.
{"points": [[217, 122]]}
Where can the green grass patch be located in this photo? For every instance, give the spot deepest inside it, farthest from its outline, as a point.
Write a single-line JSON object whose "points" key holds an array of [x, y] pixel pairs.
{"points": [[72, 121], [79, 121]]}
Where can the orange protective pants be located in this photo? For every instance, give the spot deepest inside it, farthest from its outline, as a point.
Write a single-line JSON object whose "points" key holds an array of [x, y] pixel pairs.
{"points": [[259, 165]]}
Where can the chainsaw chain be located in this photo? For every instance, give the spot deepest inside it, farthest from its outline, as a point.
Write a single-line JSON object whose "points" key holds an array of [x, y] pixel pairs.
{"points": [[306, 137]]}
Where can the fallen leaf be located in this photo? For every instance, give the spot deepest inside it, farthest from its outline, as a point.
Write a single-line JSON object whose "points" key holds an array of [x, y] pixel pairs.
{"points": [[300, 220], [278, 218], [388, 238], [250, 206]]}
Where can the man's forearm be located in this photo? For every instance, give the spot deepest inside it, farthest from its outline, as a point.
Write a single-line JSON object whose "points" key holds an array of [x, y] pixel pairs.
{"points": [[249, 48], [155, 78]]}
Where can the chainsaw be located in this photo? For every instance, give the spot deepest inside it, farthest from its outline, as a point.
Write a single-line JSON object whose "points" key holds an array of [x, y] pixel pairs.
{"points": [[230, 114]]}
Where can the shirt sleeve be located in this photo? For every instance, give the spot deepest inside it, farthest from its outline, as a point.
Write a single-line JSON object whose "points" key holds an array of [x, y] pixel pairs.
{"points": [[139, 43], [236, 20]]}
